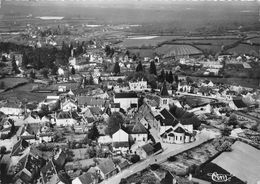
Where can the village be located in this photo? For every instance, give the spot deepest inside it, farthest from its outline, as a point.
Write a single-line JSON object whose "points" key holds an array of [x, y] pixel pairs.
{"points": [[85, 103], [95, 125]]}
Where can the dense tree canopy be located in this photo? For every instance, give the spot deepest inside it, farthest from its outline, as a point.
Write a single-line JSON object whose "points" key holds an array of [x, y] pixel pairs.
{"points": [[114, 123], [153, 68], [139, 67], [116, 68]]}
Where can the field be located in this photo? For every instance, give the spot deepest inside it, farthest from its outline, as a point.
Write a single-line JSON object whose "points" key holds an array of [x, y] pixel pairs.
{"points": [[144, 42], [245, 49], [208, 45], [11, 82], [251, 83], [177, 50], [23, 92]]}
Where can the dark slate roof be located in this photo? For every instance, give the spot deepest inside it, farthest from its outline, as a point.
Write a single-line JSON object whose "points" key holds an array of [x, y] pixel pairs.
{"points": [[148, 148], [166, 114], [139, 129], [239, 103], [115, 105], [164, 91], [179, 130], [121, 144], [19, 147], [126, 95], [157, 147], [168, 122], [171, 135], [168, 179], [107, 166]]}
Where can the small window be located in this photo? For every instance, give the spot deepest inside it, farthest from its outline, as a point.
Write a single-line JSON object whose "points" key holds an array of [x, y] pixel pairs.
{"points": [[165, 101], [180, 138]]}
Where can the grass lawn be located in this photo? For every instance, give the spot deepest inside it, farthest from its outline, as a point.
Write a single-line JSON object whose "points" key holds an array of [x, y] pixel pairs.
{"points": [[23, 92], [11, 82]]}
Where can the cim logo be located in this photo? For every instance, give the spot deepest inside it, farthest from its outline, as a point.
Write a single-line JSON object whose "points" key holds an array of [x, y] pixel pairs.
{"points": [[220, 177]]}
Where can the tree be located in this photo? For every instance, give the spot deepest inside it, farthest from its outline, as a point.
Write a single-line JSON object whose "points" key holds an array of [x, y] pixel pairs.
{"points": [[170, 80], [2, 150], [139, 67], [161, 77], [25, 60], [93, 133], [232, 120], [2, 85], [32, 74], [116, 68], [54, 70], [153, 68], [4, 58], [167, 76], [45, 72], [114, 123], [73, 71], [107, 50], [91, 80]]}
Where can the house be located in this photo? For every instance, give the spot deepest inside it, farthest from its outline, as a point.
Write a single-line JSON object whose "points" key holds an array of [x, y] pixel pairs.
{"points": [[33, 117], [164, 97], [106, 169], [138, 86], [65, 119], [177, 135], [145, 151], [165, 121], [169, 178], [86, 178], [28, 132], [237, 104], [120, 141], [69, 105], [50, 174], [19, 147], [123, 165], [183, 86], [11, 107], [89, 101], [6, 127], [28, 166], [139, 133], [45, 134], [144, 122], [115, 107], [126, 100]]}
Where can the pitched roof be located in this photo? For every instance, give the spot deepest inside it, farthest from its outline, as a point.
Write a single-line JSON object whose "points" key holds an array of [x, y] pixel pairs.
{"points": [[95, 110], [90, 101], [87, 178], [115, 105], [19, 147], [168, 179], [148, 148], [179, 130], [139, 129], [239, 103], [167, 115], [107, 166], [121, 144], [126, 95], [164, 91]]}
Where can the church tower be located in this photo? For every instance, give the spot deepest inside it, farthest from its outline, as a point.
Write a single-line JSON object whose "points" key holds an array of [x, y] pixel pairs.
{"points": [[164, 97]]}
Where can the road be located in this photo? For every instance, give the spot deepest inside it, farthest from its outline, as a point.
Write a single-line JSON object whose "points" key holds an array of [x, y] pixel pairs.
{"points": [[201, 138]]}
